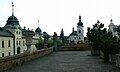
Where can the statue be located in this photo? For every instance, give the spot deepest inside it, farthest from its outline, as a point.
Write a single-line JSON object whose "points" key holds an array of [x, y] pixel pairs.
{"points": [[55, 40], [46, 37]]}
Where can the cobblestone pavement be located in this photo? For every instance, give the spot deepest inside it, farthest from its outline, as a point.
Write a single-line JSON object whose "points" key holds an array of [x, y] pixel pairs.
{"points": [[67, 61]]}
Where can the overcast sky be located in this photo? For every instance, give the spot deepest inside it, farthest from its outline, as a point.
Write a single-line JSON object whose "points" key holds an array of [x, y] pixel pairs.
{"points": [[54, 15]]}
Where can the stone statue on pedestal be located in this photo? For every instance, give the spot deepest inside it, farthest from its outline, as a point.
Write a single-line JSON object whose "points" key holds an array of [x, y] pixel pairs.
{"points": [[55, 40], [46, 37]]}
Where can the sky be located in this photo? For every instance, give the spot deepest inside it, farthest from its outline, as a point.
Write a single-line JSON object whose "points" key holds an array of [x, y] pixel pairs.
{"points": [[53, 15]]}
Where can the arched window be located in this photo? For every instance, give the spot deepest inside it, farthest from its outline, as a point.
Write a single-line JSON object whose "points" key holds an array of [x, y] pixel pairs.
{"points": [[79, 31], [18, 50]]}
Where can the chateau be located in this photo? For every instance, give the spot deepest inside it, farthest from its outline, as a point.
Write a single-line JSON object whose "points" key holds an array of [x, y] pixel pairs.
{"points": [[13, 37]]}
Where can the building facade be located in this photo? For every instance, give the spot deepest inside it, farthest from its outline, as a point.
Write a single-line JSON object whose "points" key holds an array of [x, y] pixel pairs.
{"points": [[13, 39], [6, 43]]}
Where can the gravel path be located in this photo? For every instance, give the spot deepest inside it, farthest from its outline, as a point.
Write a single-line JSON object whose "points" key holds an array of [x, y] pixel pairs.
{"points": [[67, 61]]}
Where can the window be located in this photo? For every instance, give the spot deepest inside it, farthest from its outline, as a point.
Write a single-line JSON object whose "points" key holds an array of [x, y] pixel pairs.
{"points": [[79, 31], [2, 43], [9, 43], [75, 38], [9, 53], [23, 43], [19, 33], [17, 42], [16, 32], [2, 54]]}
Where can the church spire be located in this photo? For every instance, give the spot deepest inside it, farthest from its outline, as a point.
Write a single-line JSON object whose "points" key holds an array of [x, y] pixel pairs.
{"points": [[111, 20], [80, 23], [38, 23], [79, 18], [12, 8], [73, 29]]}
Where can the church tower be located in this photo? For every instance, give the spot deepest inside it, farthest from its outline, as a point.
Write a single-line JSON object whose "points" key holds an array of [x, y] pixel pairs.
{"points": [[111, 26], [14, 27], [80, 31], [113, 29], [38, 31]]}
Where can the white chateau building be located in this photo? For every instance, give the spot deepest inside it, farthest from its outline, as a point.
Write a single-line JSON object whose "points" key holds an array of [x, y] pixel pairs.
{"points": [[113, 29], [77, 36], [13, 39]]}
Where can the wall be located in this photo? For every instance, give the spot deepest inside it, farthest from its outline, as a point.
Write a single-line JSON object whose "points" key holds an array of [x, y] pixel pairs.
{"points": [[76, 47], [15, 60], [118, 60]]}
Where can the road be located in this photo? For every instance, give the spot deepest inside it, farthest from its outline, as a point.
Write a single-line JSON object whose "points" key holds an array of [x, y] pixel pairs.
{"points": [[67, 61]]}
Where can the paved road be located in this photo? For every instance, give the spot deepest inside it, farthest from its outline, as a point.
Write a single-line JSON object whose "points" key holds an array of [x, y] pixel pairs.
{"points": [[67, 61]]}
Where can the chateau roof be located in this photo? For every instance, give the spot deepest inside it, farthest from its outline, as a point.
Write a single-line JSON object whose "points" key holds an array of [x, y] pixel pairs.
{"points": [[38, 30], [5, 33], [12, 21]]}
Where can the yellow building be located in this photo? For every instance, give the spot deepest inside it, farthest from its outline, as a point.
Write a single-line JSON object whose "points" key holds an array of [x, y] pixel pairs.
{"points": [[6, 43]]}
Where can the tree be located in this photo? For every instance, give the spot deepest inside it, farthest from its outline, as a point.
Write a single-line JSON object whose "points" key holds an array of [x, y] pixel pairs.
{"points": [[103, 41], [40, 44], [109, 45], [94, 36], [50, 43], [62, 36]]}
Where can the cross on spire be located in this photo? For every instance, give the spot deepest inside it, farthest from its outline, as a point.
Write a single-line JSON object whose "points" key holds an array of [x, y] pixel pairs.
{"points": [[111, 19], [38, 23], [12, 8]]}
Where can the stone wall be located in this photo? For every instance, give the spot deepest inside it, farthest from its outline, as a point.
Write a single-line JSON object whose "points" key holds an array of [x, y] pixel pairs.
{"points": [[118, 60], [15, 60], [74, 47]]}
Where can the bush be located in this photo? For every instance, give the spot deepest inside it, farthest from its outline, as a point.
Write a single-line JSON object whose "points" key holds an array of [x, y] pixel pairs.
{"points": [[40, 44], [50, 43]]}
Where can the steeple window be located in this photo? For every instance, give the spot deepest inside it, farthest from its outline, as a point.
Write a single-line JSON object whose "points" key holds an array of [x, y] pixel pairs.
{"points": [[79, 31]]}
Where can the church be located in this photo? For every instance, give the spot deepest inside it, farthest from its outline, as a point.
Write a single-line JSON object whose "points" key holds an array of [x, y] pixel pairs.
{"points": [[113, 28], [13, 39], [77, 37]]}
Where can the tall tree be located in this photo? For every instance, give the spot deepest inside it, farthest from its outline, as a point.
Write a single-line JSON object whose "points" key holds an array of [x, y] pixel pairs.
{"points": [[62, 36], [94, 36]]}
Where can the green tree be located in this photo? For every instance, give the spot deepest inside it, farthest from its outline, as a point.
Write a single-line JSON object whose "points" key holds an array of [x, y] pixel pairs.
{"points": [[50, 43], [95, 34], [62, 36], [40, 44], [109, 45], [103, 41], [59, 42]]}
